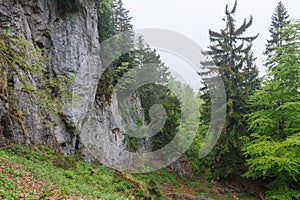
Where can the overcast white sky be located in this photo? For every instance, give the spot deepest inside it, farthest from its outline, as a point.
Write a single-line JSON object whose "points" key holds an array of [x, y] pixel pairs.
{"points": [[194, 18]]}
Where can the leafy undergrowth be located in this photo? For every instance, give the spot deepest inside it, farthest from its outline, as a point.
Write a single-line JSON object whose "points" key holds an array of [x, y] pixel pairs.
{"points": [[42, 173]]}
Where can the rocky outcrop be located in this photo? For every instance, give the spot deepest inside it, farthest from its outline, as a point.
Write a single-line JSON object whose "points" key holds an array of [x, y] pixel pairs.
{"points": [[182, 166], [67, 30], [69, 35]]}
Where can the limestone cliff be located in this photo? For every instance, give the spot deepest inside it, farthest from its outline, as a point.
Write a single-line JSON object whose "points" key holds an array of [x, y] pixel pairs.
{"points": [[68, 32]]}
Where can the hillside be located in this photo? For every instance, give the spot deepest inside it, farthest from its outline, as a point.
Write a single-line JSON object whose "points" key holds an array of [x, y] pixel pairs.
{"points": [[41, 173]]}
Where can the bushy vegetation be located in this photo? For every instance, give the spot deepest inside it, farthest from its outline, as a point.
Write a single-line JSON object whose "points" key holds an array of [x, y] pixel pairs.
{"points": [[273, 150]]}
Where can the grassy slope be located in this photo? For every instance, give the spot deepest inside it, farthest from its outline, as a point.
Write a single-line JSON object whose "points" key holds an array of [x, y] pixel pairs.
{"points": [[41, 173]]}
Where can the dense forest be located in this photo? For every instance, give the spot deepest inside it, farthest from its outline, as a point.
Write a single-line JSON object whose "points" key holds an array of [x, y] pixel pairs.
{"points": [[259, 144]]}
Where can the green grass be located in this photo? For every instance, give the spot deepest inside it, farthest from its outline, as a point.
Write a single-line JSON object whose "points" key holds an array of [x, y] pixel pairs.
{"points": [[63, 177]]}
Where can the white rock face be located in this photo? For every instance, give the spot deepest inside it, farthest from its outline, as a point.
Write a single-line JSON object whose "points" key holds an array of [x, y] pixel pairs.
{"points": [[70, 38]]}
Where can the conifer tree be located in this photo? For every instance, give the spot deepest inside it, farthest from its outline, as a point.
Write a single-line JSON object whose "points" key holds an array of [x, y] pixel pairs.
{"points": [[105, 22], [280, 19], [116, 20], [151, 69], [231, 52], [120, 16]]}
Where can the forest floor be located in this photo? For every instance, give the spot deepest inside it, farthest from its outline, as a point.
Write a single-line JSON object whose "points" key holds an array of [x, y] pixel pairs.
{"points": [[41, 173]]}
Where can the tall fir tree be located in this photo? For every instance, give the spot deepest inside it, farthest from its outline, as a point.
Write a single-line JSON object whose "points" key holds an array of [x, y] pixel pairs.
{"points": [[120, 16], [231, 52], [280, 19], [149, 63]]}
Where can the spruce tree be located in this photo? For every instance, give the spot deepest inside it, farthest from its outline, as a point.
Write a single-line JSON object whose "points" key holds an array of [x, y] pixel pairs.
{"points": [[105, 22], [150, 68], [231, 52], [121, 18], [280, 19]]}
